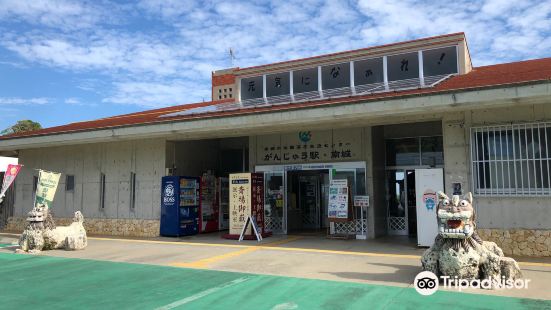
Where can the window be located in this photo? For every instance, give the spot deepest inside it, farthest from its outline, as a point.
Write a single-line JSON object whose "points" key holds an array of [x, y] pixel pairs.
{"points": [[102, 191], [230, 88], [418, 151], [219, 97], [35, 183], [132, 190], [230, 95], [511, 159], [432, 151], [70, 183], [225, 90], [402, 152], [220, 90]]}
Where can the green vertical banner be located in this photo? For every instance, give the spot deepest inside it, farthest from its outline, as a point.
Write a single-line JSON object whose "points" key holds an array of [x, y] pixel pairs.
{"points": [[46, 187]]}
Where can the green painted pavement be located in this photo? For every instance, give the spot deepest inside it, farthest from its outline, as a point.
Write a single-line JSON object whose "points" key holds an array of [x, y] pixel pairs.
{"points": [[42, 282]]}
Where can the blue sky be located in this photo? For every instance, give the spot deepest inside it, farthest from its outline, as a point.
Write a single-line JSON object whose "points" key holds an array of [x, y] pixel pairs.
{"points": [[65, 61]]}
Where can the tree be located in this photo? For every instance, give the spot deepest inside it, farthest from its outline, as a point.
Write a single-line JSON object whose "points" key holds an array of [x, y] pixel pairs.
{"points": [[22, 126]]}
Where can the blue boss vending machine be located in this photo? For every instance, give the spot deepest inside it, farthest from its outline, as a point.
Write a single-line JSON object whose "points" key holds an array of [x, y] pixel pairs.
{"points": [[180, 205]]}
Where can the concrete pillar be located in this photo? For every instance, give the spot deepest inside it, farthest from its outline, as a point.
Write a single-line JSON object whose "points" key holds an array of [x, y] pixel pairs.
{"points": [[456, 152]]}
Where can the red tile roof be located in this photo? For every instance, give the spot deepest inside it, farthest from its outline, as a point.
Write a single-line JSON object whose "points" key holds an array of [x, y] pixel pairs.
{"points": [[482, 77]]}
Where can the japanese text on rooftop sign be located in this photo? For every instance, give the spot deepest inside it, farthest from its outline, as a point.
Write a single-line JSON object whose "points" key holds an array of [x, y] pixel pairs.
{"points": [[439, 61]]}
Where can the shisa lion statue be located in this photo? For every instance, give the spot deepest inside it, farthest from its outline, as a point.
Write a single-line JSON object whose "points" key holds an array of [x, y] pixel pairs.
{"points": [[41, 232], [459, 252]]}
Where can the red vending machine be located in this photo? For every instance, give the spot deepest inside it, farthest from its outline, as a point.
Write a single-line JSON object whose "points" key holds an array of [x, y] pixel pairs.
{"points": [[209, 213]]}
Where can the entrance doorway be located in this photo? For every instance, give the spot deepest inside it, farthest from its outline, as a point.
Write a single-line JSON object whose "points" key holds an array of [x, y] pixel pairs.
{"points": [[296, 196], [402, 218], [306, 208]]}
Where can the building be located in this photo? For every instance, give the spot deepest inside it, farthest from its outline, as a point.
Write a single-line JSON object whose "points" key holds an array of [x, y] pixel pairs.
{"points": [[372, 116]]}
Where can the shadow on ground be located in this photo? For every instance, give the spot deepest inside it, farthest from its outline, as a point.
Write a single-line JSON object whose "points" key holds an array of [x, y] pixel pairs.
{"points": [[401, 274]]}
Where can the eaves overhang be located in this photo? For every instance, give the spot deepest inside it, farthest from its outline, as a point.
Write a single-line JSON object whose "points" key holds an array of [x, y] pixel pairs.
{"points": [[327, 113]]}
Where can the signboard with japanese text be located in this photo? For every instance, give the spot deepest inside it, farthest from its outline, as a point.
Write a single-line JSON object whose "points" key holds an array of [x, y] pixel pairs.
{"points": [[246, 199], [46, 187], [310, 146], [361, 201], [403, 66], [338, 200], [257, 200], [251, 88], [440, 61], [335, 76], [240, 201], [305, 80], [368, 71], [278, 84]]}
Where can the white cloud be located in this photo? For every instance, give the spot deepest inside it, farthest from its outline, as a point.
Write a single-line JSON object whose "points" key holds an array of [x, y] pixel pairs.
{"points": [[60, 13], [72, 101], [167, 56], [23, 101]]}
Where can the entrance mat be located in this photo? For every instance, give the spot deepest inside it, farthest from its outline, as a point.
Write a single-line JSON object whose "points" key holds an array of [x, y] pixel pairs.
{"points": [[43, 282]]}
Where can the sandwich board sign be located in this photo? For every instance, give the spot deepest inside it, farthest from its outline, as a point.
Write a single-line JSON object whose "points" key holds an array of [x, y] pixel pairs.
{"points": [[256, 231], [338, 200]]}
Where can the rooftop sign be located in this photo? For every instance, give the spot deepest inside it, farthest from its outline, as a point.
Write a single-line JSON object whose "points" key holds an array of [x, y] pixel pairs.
{"points": [[392, 72]]}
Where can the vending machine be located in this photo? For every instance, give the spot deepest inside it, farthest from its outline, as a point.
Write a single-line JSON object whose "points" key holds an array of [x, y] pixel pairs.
{"points": [[180, 204], [208, 221], [223, 202]]}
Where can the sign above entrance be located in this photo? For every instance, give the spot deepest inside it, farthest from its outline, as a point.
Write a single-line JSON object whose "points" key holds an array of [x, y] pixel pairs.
{"points": [[310, 146]]}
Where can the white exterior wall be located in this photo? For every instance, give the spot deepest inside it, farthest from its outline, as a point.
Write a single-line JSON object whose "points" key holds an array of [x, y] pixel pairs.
{"points": [[5, 161], [116, 159], [493, 212]]}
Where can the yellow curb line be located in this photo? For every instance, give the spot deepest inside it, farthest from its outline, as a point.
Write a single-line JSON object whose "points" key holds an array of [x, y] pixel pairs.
{"points": [[203, 263], [174, 242], [269, 246]]}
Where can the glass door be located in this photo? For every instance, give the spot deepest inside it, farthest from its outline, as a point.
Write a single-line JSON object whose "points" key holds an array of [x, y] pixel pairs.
{"points": [[309, 201], [275, 213], [397, 202]]}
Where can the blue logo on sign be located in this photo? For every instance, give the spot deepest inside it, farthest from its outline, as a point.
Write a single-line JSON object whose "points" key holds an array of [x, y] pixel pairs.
{"points": [[430, 203], [305, 136]]}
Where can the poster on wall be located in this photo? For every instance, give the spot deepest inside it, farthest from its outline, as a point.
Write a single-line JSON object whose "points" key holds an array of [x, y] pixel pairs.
{"points": [[240, 201], [46, 187], [338, 200]]}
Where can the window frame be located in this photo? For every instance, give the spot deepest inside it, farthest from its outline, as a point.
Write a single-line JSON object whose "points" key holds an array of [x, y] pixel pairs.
{"points": [[102, 191], [132, 191], [503, 175]]}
